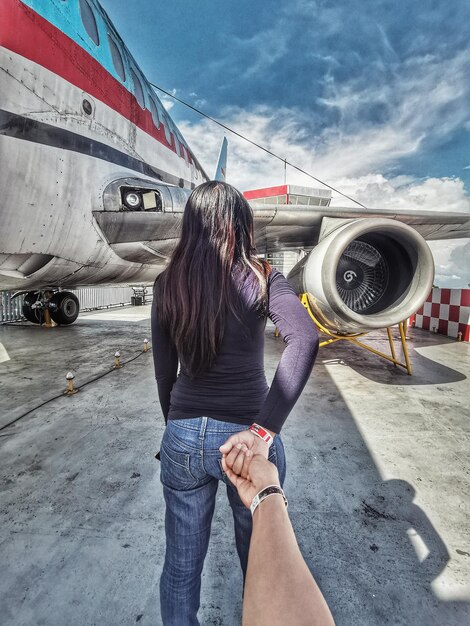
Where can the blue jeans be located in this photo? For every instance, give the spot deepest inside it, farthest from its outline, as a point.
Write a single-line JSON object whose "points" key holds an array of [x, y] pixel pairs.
{"points": [[191, 468]]}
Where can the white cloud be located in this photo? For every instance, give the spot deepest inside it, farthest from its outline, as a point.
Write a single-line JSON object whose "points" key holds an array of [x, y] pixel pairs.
{"points": [[167, 103], [402, 192], [423, 90], [266, 47], [284, 133], [249, 168], [421, 103], [452, 259], [425, 101]]}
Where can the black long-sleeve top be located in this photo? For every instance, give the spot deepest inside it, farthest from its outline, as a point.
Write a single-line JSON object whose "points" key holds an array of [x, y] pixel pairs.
{"points": [[235, 388]]}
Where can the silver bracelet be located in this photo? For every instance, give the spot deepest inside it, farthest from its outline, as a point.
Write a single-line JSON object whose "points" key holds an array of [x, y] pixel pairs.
{"points": [[271, 490]]}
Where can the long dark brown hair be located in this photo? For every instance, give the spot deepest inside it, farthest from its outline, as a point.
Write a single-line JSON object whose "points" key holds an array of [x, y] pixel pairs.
{"points": [[195, 291]]}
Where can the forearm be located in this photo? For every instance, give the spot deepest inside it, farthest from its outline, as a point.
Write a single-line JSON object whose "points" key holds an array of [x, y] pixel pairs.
{"points": [[301, 338], [279, 587], [289, 380]]}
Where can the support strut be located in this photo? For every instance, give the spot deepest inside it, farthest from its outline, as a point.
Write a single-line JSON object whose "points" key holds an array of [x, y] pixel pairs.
{"points": [[353, 338]]}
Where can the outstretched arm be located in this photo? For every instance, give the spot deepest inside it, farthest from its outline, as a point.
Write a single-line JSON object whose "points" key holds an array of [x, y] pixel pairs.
{"points": [[279, 587], [301, 338]]}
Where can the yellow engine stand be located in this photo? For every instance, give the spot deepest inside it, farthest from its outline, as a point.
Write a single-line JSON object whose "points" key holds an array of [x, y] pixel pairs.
{"points": [[353, 338]]}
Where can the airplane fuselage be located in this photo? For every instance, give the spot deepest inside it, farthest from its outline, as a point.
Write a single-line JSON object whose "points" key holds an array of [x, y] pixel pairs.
{"points": [[69, 126]]}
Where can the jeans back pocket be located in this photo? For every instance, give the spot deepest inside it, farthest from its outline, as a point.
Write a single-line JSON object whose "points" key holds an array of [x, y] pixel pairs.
{"points": [[175, 466]]}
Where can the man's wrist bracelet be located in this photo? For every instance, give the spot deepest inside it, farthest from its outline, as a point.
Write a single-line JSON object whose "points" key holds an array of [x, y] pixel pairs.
{"points": [[261, 432], [271, 490]]}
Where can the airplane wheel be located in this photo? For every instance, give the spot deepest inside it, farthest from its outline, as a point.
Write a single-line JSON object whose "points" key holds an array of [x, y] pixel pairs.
{"points": [[64, 307], [36, 316]]}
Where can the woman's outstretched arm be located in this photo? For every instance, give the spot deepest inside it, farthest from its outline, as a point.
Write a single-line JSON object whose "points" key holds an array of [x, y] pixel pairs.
{"points": [[301, 338], [279, 588]]}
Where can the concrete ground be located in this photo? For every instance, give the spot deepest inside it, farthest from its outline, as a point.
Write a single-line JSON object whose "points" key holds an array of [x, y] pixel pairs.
{"points": [[378, 482]]}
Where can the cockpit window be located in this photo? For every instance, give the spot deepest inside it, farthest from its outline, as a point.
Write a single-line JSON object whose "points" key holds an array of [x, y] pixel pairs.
{"points": [[139, 92], [117, 59], [154, 111], [89, 22]]}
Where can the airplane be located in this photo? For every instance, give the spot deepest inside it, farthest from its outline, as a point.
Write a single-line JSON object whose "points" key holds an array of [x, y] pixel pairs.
{"points": [[95, 175]]}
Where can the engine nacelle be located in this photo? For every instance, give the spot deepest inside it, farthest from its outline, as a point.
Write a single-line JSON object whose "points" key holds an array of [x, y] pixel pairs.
{"points": [[365, 274]]}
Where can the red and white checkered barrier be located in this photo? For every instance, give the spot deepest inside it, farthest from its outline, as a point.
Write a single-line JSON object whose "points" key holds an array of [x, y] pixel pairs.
{"points": [[446, 311]]}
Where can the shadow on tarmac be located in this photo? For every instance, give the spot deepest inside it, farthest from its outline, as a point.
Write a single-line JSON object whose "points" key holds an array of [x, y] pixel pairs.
{"points": [[361, 535], [425, 371], [82, 525]]}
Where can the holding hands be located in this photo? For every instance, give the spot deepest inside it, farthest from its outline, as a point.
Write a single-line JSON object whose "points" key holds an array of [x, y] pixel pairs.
{"points": [[294, 597], [247, 466], [246, 440]]}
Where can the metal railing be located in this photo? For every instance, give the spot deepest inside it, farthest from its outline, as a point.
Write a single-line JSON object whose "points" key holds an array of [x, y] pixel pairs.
{"points": [[102, 297], [10, 310]]}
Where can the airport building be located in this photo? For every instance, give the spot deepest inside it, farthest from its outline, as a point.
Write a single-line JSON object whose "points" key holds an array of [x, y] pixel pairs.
{"points": [[285, 195]]}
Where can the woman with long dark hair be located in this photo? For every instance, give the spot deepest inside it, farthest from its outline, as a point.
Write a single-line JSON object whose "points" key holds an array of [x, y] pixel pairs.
{"points": [[209, 314]]}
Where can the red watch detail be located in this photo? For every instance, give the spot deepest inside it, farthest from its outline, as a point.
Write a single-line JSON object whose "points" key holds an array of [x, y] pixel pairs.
{"points": [[261, 432]]}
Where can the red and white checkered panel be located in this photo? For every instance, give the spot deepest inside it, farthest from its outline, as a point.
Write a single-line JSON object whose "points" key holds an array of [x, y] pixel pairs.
{"points": [[446, 311]]}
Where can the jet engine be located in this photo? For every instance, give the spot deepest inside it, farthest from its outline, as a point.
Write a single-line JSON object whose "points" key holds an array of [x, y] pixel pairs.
{"points": [[365, 274]]}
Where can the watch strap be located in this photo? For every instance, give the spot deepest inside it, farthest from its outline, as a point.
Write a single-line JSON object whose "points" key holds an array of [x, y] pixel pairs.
{"points": [[271, 490], [262, 433]]}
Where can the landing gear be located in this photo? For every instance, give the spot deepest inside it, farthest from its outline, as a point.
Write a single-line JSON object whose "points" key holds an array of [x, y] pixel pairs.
{"points": [[64, 307], [39, 306], [32, 308]]}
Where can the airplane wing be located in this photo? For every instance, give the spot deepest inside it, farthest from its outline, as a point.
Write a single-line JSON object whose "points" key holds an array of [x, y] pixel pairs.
{"points": [[284, 227]]}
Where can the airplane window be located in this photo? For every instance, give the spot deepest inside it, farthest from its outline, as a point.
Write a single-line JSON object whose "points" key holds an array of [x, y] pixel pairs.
{"points": [[177, 143], [89, 22], [154, 111], [183, 147], [185, 154], [117, 59], [166, 127], [139, 92]]}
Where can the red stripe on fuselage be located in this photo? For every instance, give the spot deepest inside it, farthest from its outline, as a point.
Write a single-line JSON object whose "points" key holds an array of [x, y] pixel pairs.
{"points": [[26, 33]]}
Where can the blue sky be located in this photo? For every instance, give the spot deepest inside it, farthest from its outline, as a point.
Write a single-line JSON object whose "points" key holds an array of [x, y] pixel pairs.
{"points": [[371, 96]]}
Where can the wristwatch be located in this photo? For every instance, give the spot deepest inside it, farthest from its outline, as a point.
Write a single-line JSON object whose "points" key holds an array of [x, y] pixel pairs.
{"points": [[271, 490], [262, 433]]}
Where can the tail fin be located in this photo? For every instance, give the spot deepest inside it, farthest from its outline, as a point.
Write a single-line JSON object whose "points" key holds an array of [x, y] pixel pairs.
{"points": [[221, 171]]}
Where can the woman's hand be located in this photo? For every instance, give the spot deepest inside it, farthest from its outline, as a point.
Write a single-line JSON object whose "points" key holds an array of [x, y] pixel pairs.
{"points": [[243, 440], [262, 473]]}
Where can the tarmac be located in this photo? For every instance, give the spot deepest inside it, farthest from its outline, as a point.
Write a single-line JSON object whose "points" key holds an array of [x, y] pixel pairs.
{"points": [[378, 481]]}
